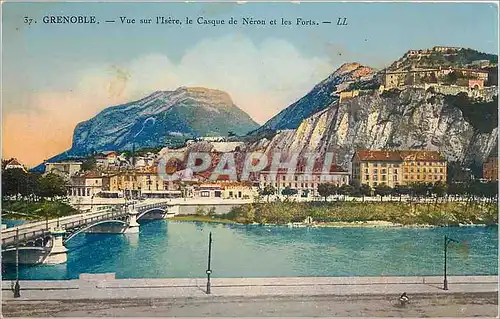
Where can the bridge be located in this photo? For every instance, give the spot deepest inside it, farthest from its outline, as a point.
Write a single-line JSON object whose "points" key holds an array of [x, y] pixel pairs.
{"points": [[44, 241]]}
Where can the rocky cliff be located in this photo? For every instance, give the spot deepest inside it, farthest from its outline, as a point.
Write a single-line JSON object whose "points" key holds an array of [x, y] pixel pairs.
{"points": [[320, 97], [149, 122], [408, 119]]}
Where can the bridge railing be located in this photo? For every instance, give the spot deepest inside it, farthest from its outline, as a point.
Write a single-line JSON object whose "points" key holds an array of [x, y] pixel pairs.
{"points": [[32, 230], [150, 206]]}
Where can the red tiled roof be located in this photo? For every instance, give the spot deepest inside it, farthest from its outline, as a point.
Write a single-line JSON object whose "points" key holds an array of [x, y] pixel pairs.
{"points": [[371, 155], [421, 156], [398, 156], [13, 161]]}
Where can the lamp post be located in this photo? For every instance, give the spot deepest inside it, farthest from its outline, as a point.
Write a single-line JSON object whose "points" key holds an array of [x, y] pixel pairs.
{"points": [[447, 240], [209, 271], [17, 287]]}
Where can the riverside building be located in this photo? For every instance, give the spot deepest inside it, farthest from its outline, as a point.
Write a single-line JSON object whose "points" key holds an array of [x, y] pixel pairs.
{"points": [[393, 168]]}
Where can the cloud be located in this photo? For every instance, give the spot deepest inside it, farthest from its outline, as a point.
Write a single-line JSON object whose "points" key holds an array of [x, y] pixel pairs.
{"points": [[262, 79]]}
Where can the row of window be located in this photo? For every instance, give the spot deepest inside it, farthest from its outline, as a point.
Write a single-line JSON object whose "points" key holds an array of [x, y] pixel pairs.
{"points": [[297, 178], [407, 177], [382, 177], [441, 170], [292, 185], [406, 170], [80, 191], [407, 163]]}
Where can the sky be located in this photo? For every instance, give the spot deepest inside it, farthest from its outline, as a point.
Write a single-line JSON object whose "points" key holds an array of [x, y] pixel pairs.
{"points": [[57, 75]]}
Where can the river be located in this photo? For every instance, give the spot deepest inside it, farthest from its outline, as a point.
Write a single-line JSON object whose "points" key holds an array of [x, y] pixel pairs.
{"points": [[165, 249]]}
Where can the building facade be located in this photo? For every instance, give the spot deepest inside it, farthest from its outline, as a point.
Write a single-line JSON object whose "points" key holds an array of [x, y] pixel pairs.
{"points": [[88, 184], [305, 184], [225, 190], [393, 168], [133, 183], [64, 169]]}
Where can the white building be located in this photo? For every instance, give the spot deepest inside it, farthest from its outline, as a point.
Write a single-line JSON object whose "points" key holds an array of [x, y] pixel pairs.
{"points": [[64, 169], [305, 184], [88, 184]]}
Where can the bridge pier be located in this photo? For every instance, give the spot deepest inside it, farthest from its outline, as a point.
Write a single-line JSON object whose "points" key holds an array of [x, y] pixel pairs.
{"points": [[172, 211], [133, 225], [58, 254]]}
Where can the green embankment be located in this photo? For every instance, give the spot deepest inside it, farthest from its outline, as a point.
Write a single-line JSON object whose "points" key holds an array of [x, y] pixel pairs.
{"points": [[440, 214], [39, 210]]}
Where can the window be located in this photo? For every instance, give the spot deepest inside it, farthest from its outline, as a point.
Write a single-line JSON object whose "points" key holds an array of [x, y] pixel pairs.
{"points": [[441, 178], [441, 170], [374, 183], [384, 171], [411, 177], [418, 176], [383, 177], [395, 171], [283, 178], [418, 163], [411, 170], [424, 169], [366, 171], [367, 177], [384, 165], [406, 170], [375, 178], [406, 176], [296, 178], [435, 177], [435, 170], [395, 178], [375, 164], [375, 171]]}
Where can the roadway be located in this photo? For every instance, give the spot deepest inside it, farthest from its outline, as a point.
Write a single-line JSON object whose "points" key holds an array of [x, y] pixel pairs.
{"points": [[33, 230]]}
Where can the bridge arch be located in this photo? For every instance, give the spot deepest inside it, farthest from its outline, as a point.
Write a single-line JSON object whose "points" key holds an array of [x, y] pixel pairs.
{"points": [[151, 210], [84, 229]]}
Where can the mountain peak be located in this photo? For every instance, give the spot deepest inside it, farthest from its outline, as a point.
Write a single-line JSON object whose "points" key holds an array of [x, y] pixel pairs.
{"points": [[215, 95], [176, 115]]}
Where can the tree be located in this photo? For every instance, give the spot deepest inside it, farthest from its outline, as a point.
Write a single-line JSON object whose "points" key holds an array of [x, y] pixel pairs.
{"points": [[439, 189], [268, 191], [419, 189], [89, 164], [287, 191], [14, 182], [346, 190], [325, 190], [50, 186], [365, 190], [383, 190], [451, 78]]}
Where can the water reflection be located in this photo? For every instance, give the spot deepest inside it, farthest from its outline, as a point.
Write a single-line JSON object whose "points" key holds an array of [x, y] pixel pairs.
{"points": [[165, 249], [132, 239]]}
